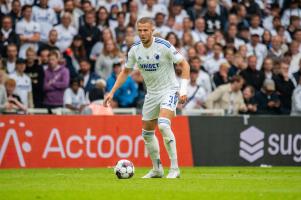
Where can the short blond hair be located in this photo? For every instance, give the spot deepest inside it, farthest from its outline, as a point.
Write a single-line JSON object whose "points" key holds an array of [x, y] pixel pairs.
{"points": [[145, 20]]}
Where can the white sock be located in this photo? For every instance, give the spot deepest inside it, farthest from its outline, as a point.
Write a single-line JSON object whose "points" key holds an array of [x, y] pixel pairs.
{"points": [[169, 141], [152, 146]]}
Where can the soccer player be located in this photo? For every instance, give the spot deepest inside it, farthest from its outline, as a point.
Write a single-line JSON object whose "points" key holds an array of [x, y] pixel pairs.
{"points": [[155, 59]]}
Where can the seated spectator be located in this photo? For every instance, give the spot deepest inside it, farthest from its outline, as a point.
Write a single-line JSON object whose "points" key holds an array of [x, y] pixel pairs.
{"points": [[237, 65], [232, 36], [74, 54], [102, 18], [74, 96], [295, 57], [296, 100], [28, 30], [96, 106], [43, 58], [120, 29], [267, 68], [98, 46], [35, 72], [277, 50], [251, 75], [15, 12], [89, 78], [221, 77], [55, 82], [109, 55], [7, 35], [284, 88], [161, 28], [228, 97], [297, 75], [3, 96], [255, 27], [293, 9], [45, 17], [9, 63], [89, 32], [249, 99], [50, 44], [65, 31], [213, 20], [203, 77], [196, 94], [199, 29], [213, 62], [23, 84], [126, 95], [256, 48], [268, 102], [14, 103]]}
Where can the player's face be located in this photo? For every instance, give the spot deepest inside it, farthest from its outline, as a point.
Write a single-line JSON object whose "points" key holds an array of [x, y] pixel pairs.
{"points": [[145, 32]]}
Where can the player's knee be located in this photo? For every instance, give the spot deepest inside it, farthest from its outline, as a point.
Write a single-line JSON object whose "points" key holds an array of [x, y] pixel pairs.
{"points": [[165, 129], [148, 135]]}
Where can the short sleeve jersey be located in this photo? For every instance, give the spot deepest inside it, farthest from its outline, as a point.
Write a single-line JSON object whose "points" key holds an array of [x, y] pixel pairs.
{"points": [[156, 64]]}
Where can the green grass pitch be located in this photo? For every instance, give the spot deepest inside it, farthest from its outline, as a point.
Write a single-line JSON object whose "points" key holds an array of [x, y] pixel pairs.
{"points": [[196, 183]]}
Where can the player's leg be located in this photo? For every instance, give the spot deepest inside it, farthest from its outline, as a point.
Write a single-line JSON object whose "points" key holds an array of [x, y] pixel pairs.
{"points": [[152, 146], [164, 124], [150, 113]]}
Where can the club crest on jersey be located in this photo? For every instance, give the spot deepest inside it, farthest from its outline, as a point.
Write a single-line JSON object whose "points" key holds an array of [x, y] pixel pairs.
{"points": [[157, 57], [149, 66]]}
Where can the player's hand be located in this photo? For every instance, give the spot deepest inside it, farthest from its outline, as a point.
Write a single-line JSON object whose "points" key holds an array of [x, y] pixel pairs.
{"points": [[108, 99], [183, 99]]}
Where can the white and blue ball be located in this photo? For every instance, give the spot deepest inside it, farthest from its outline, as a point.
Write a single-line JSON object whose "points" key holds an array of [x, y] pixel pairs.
{"points": [[124, 169]]}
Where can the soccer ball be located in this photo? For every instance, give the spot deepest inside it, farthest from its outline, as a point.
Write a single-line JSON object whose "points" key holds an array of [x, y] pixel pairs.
{"points": [[124, 169]]}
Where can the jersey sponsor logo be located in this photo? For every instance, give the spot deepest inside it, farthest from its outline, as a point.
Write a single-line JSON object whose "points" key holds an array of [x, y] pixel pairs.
{"points": [[149, 66]]}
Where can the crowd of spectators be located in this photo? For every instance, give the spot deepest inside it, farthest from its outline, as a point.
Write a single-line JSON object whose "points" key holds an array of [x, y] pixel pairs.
{"points": [[245, 55]]}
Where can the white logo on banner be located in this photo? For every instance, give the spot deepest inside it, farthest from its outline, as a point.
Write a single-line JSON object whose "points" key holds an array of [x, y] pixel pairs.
{"points": [[12, 136], [251, 144]]}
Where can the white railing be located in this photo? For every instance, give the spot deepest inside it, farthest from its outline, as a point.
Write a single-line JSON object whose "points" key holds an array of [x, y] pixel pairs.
{"points": [[204, 112]]}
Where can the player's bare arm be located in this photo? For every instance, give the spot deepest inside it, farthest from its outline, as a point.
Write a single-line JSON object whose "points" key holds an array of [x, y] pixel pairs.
{"points": [[184, 81], [120, 80]]}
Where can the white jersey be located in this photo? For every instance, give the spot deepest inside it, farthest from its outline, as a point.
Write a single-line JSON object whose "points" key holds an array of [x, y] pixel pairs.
{"points": [[27, 29], [23, 86], [156, 65], [65, 36], [46, 17]]}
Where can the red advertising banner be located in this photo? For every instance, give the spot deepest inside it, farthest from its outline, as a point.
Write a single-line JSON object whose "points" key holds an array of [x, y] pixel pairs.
{"points": [[82, 141]]}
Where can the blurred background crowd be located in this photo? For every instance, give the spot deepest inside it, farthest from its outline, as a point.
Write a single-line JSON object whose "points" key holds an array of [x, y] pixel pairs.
{"points": [[245, 55]]}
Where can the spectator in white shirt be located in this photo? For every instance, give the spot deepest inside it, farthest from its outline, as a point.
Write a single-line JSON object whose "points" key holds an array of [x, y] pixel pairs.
{"points": [[66, 32], [45, 17], [179, 14], [296, 100], [74, 96], [56, 5], [258, 49], [292, 10], [213, 61], [255, 26], [161, 28], [199, 29], [231, 36], [151, 8], [203, 78], [196, 94], [28, 30], [23, 88], [296, 57]]}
